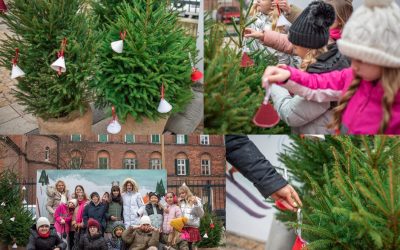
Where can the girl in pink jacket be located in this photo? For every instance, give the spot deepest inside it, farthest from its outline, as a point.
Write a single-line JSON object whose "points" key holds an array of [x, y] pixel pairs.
{"points": [[368, 92], [63, 218], [171, 211]]}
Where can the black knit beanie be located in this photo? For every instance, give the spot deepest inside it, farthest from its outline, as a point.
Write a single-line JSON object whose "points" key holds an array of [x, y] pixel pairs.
{"points": [[311, 28]]}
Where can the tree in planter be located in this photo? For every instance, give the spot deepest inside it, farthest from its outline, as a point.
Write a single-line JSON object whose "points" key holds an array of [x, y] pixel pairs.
{"points": [[155, 52], [211, 227], [232, 94], [355, 204], [39, 27], [15, 221]]}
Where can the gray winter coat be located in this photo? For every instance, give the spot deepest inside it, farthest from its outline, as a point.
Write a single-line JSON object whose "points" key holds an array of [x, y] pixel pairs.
{"points": [[308, 117]]}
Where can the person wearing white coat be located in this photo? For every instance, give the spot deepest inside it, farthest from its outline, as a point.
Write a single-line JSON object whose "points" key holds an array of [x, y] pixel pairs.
{"points": [[133, 204]]}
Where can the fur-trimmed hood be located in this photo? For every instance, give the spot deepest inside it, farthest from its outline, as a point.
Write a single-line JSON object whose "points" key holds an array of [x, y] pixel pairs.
{"points": [[135, 185]]}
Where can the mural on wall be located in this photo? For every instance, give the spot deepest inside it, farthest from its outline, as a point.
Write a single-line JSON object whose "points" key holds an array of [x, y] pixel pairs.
{"points": [[97, 180]]}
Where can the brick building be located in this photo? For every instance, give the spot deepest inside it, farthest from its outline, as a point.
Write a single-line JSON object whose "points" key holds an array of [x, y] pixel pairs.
{"points": [[197, 160]]}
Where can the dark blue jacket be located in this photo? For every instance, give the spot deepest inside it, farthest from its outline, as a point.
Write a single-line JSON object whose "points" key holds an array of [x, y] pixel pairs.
{"points": [[96, 212]]}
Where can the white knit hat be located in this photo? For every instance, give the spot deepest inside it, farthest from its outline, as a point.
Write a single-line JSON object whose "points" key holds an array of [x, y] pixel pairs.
{"points": [[42, 221], [145, 220], [372, 34], [73, 201]]}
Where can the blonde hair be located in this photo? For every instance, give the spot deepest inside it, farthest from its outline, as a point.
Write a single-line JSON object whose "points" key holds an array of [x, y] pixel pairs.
{"points": [[311, 57], [58, 182], [274, 16], [390, 81], [186, 189], [253, 10], [343, 10]]}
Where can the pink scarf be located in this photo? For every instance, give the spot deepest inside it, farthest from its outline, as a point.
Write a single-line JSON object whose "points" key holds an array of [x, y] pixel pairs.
{"points": [[80, 211], [335, 33]]}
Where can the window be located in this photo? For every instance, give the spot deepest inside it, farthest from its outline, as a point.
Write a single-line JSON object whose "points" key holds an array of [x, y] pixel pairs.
{"points": [[181, 167], [103, 162], [103, 138], [76, 138], [181, 139], [205, 167], [75, 163], [155, 163], [204, 140], [130, 163], [155, 139], [129, 138], [47, 154]]}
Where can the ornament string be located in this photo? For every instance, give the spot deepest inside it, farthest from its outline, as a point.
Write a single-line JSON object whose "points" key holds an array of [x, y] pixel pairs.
{"points": [[122, 35], [15, 59]]}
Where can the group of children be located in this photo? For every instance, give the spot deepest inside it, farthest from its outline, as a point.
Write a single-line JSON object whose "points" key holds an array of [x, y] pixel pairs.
{"points": [[120, 220], [348, 80]]}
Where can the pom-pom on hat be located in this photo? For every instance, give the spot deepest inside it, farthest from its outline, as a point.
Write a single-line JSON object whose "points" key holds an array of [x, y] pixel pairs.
{"points": [[311, 28], [372, 34]]}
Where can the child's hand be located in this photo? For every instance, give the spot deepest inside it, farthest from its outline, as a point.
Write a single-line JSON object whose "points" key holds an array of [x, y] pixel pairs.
{"points": [[275, 74], [283, 5], [62, 221], [249, 32]]}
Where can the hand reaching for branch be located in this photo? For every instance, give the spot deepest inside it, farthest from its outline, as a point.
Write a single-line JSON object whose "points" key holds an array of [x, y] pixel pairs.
{"points": [[252, 33], [276, 74], [288, 197]]}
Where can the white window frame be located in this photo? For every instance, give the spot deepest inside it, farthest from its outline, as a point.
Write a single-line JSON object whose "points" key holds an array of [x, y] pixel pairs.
{"points": [[204, 139], [205, 168], [134, 139], [132, 162], [159, 138], [98, 138], [181, 166], [155, 163], [80, 137], [180, 139]]}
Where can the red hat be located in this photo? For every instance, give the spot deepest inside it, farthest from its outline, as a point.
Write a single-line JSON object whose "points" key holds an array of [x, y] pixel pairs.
{"points": [[93, 223]]}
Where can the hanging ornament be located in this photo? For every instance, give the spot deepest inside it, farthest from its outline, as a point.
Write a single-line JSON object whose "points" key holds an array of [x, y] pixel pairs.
{"points": [[205, 236], [12, 219], [16, 71], [3, 204], [114, 127], [24, 202], [196, 74], [212, 224], [14, 246], [59, 64], [246, 60], [266, 116], [299, 243], [23, 188], [1, 222], [118, 46], [3, 7], [163, 106]]}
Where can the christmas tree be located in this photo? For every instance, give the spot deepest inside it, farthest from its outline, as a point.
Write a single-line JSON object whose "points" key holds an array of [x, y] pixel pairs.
{"points": [[352, 201], [210, 229], [39, 27], [15, 221], [233, 93], [155, 53]]}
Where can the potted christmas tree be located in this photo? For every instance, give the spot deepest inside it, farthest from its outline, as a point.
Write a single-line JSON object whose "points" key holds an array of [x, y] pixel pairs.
{"points": [[145, 69], [15, 221], [52, 53], [210, 231]]}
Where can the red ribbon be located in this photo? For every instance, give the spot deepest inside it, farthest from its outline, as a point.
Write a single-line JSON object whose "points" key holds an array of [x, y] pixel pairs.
{"points": [[61, 53], [122, 35], [162, 90], [114, 116], [15, 59], [277, 7]]}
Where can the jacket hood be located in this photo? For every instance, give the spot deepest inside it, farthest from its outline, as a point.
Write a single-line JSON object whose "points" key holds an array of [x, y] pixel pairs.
{"points": [[329, 61], [115, 225], [135, 185]]}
